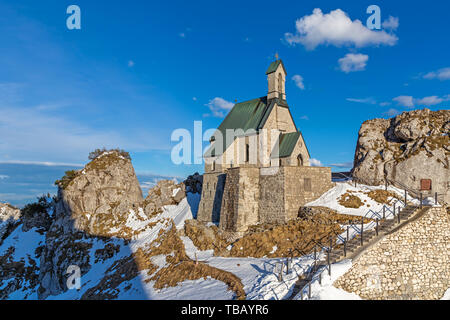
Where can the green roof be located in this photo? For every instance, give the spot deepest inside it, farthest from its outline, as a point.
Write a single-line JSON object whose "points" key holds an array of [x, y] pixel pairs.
{"points": [[274, 66], [286, 143], [244, 115]]}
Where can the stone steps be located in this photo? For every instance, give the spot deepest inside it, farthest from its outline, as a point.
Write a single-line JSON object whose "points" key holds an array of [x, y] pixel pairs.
{"points": [[337, 254]]}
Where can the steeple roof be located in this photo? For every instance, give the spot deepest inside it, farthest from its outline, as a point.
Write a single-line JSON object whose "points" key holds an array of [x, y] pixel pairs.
{"points": [[274, 66]]}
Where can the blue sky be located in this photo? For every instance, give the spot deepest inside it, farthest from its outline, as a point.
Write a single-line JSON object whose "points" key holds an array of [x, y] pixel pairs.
{"points": [[137, 70]]}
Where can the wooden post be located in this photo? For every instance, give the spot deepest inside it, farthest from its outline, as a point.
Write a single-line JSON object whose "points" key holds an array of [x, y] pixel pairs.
{"points": [[398, 216], [309, 290], [362, 230], [435, 198], [348, 235], [406, 197], [394, 210], [376, 228], [320, 278], [384, 211]]}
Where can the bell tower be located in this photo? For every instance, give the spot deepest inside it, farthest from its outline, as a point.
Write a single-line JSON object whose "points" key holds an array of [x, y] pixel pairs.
{"points": [[276, 78]]}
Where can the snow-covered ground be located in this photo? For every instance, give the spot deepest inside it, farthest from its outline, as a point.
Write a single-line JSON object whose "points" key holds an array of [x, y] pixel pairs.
{"points": [[331, 198], [259, 276], [325, 290]]}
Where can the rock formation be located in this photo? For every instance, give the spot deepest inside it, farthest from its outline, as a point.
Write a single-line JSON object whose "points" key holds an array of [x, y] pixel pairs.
{"points": [[407, 148], [8, 216]]}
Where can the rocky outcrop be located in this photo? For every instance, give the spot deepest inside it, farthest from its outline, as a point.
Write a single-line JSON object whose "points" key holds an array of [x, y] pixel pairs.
{"points": [[92, 203], [166, 192], [8, 217], [408, 148], [194, 183], [101, 192]]}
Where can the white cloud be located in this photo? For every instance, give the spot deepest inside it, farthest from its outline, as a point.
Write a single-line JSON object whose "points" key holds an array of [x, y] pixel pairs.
{"points": [[304, 118], [369, 100], [336, 28], [182, 35], [441, 74], [298, 79], [33, 136], [131, 63], [384, 104], [353, 62], [219, 106], [391, 23], [429, 101], [315, 163], [194, 98], [409, 101], [392, 112], [3, 177], [404, 101], [342, 165], [42, 163]]}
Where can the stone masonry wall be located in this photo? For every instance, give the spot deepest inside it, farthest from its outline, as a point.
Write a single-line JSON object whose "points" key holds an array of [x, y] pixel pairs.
{"points": [[411, 263], [271, 205], [211, 200], [297, 194], [240, 200]]}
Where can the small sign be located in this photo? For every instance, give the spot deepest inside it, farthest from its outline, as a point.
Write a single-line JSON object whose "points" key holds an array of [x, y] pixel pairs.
{"points": [[425, 184]]}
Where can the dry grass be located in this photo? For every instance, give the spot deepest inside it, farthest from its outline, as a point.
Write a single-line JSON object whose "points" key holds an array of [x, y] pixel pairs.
{"points": [[189, 270], [298, 236], [205, 238], [382, 196], [349, 200]]}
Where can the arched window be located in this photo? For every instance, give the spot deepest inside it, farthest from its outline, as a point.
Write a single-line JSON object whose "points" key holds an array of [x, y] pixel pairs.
{"points": [[247, 153], [299, 160]]}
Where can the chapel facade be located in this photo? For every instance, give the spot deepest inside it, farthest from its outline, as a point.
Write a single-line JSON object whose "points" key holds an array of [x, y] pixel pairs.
{"points": [[257, 168]]}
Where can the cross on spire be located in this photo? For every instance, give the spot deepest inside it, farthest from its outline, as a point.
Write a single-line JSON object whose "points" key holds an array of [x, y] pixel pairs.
{"points": [[276, 56]]}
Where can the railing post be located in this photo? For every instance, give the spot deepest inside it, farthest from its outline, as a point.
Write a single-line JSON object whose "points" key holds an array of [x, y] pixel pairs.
{"points": [[406, 197], [398, 216], [435, 198], [331, 243], [385, 185], [320, 278], [376, 228], [315, 253], [280, 275], [362, 229], [287, 265], [348, 234], [345, 248], [329, 263], [394, 209], [309, 291], [384, 211], [421, 201]]}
